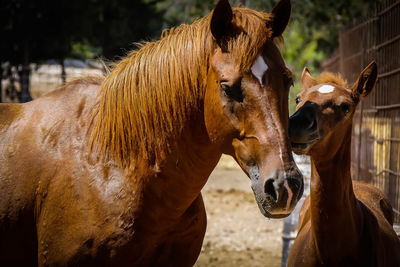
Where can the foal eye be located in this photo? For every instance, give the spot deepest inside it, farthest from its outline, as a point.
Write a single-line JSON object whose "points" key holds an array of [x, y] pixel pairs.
{"points": [[233, 92], [345, 108], [297, 100]]}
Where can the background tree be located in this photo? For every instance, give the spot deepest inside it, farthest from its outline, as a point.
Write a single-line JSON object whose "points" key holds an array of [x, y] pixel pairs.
{"points": [[34, 31]]}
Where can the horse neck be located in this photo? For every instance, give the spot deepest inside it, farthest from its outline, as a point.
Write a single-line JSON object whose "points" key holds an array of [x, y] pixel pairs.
{"points": [[336, 218], [178, 181]]}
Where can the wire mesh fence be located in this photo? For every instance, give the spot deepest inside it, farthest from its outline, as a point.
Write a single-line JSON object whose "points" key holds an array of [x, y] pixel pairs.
{"points": [[376, 124]]}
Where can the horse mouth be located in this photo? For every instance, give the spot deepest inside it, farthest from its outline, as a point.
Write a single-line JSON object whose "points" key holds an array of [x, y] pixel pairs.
{"points": [[270, 212], [302, 148], [281, 206], [275, 216]]}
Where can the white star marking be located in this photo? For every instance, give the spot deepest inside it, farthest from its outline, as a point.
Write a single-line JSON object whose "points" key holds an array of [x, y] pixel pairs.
{"points": [[259, 68], [325, 89]]}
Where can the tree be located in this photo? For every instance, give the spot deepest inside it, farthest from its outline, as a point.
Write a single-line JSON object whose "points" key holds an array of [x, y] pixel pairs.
{"points": [[34, 31]]}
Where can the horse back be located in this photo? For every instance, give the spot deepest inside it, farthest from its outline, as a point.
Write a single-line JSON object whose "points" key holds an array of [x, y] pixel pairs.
{"points": [[8, 113], [375, 199], [378, 234], [33, 134]]}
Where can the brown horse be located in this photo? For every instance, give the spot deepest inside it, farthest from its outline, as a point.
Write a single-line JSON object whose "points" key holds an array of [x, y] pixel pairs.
{"points": [[116, 179], [341, 223]]}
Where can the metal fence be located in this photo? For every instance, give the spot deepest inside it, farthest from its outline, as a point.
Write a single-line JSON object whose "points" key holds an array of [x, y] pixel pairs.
{"points": [[376, 124]]}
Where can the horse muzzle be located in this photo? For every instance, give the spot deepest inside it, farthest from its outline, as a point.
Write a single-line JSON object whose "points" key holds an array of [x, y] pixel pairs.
{"points": [[277, 194], [303, 128], [276, 181]]}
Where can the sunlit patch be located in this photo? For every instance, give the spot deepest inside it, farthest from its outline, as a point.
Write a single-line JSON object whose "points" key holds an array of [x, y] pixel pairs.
{"points": [[325, 89], [259, 68]]}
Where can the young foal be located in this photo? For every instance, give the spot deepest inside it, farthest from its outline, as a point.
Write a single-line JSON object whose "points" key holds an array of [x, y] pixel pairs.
{"points": [[341, 223], [161, 120]]}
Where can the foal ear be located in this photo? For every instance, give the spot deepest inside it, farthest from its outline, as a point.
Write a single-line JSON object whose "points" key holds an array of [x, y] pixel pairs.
{"points": [[221, 20], [366, 81], [307, 80], [280, 17]]}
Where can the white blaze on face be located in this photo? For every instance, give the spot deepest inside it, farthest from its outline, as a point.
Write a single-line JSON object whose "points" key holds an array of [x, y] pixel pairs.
{"points": [[325, 89], [259, 68]]}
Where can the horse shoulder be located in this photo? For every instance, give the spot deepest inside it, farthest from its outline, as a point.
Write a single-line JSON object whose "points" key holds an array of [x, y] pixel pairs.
{"points": [[303, 250], [183, 245]]}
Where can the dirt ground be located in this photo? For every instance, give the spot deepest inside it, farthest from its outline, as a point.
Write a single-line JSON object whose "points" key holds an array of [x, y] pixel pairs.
{"points": [[237, 233]]}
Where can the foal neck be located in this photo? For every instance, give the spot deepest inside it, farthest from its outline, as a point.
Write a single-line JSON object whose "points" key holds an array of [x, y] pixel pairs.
{"points": [[336, 218]]}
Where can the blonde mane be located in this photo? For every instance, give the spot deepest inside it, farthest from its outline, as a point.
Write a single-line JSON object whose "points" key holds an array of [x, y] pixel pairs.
{"points": [[145, 100], [329, 77]]}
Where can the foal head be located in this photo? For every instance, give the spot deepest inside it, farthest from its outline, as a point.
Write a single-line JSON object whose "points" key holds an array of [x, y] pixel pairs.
{"points": [[245, 105], [325, 109]]}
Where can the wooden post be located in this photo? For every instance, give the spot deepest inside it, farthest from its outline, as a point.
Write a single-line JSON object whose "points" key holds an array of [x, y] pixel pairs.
{"points": [[63, 73]]}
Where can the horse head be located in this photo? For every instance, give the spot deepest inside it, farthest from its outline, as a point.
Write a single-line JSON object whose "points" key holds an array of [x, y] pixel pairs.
{"points": [[245, 105], [325, 109]]}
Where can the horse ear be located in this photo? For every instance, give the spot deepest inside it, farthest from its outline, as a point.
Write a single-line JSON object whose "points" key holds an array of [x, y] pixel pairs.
{"points": [[221, 20], [307, 80], [280, 17], [366, 81]]}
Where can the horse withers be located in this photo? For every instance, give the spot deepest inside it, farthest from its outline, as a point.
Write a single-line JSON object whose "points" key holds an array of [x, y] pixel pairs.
{"points": [[108, 170], [341, 223]]}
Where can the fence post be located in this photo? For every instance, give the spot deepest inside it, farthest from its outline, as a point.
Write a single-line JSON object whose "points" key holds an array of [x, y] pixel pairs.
{"points": [[290, 223], [1, 82]]}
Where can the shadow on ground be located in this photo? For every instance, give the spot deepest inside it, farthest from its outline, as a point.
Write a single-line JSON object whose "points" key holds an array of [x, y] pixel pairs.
{"points": [[237, 233]]}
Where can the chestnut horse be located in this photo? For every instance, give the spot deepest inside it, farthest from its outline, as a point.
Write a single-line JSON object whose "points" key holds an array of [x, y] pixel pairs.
{"points": [[342, 223], [116, 179]]}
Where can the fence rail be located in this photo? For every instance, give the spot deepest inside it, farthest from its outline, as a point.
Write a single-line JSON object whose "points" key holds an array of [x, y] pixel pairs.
{"points": [[376, 123]]}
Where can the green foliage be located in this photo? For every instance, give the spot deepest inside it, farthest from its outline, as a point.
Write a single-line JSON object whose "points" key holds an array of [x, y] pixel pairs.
{"points": [[84, 50], [292, 96], [299, 52], [176, 12]]}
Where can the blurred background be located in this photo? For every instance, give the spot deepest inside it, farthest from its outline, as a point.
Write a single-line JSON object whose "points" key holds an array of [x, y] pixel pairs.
{"points": [[63, 37], [47, 43]]}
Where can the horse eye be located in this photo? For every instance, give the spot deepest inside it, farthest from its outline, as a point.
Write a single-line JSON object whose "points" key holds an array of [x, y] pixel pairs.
{"points": [[233, 92], [345, 108], [297, 100]]}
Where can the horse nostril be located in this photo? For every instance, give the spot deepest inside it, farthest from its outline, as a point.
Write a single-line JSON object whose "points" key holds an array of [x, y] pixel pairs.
{"points": [[269, 189]]}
